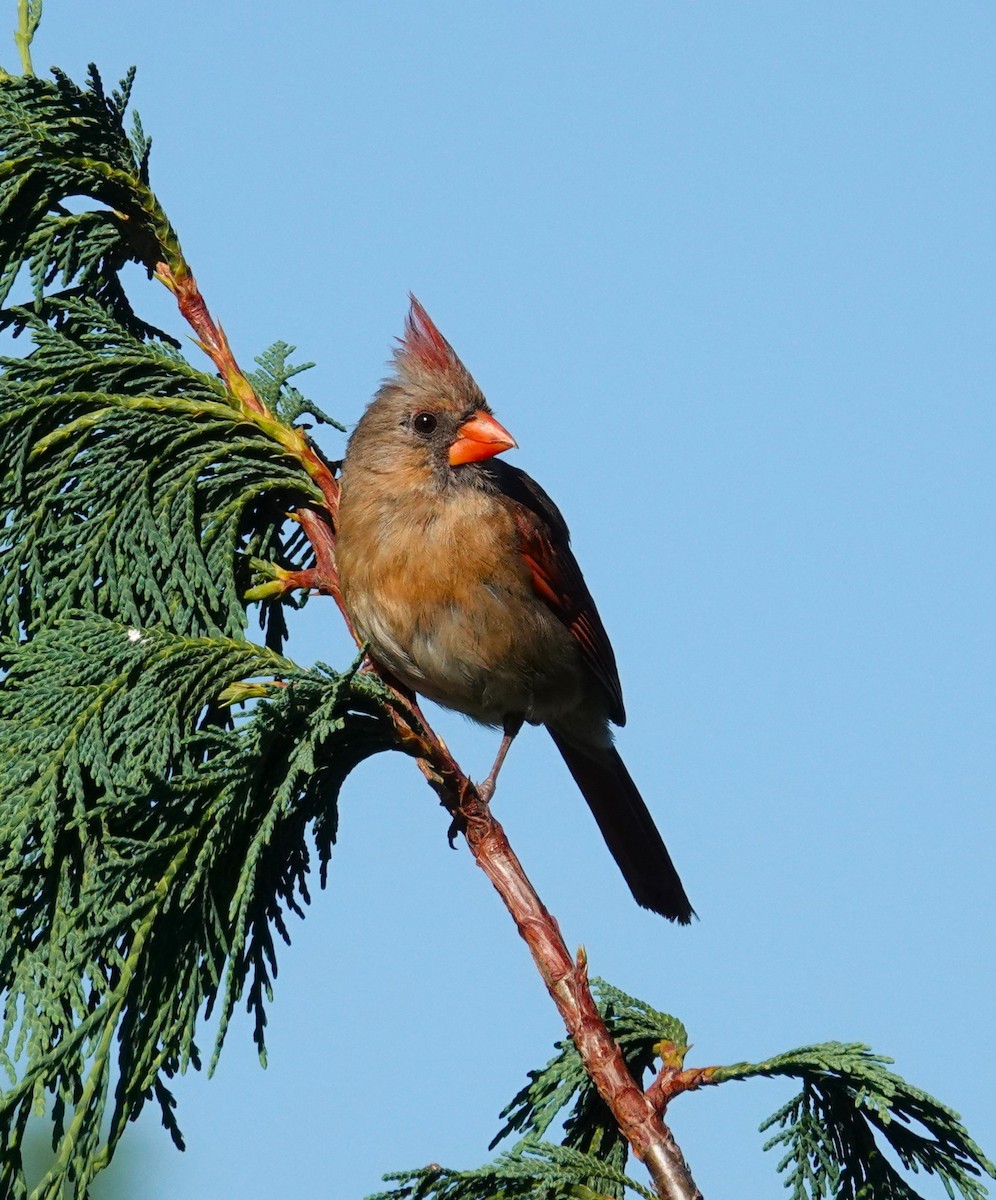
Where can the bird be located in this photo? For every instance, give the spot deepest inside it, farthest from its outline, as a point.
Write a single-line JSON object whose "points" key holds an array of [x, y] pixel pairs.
{"points": [[456, 571]]}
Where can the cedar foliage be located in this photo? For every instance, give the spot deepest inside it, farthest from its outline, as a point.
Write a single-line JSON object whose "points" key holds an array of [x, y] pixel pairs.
{"points": [[166, 780], [152, 842]]}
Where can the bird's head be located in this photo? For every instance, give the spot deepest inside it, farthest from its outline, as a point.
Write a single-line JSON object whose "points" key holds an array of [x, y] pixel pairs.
{"points": [[429, 418]]}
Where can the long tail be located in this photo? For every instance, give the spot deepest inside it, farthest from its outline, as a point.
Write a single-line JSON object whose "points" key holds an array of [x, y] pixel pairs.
{"points": [[628, 829]]}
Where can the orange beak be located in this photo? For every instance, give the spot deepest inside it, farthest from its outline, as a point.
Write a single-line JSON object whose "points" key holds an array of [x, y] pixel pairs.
{"points": [[480, 437]]}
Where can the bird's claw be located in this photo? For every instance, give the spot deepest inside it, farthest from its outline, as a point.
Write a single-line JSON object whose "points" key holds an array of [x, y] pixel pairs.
{"points": [[457, 826]]}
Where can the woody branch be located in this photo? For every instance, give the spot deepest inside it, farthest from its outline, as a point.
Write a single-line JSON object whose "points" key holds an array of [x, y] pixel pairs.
{"points": [[636, 1113]]}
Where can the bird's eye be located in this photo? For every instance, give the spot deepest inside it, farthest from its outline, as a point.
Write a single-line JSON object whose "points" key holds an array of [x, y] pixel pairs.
{"points": [[424, 423]]}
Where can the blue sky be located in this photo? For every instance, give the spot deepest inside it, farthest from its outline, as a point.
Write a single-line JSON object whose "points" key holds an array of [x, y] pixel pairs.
{"points": [[726, 273]]}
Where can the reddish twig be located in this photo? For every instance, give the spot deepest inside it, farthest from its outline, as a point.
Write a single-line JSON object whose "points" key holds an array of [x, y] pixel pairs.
{"points": [[212, 340], [211, 337], [671, 1081], [637, 1113]]}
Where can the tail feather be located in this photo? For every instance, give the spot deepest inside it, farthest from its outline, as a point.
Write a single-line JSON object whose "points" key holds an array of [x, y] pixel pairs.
{"points": [[628, 829]]}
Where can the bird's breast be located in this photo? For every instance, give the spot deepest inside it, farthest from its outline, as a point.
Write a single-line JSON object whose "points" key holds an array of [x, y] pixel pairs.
{"points": [[446, 603]]}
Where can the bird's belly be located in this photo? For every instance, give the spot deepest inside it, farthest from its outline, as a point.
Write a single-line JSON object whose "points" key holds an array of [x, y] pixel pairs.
{"points": [[481, 649]]}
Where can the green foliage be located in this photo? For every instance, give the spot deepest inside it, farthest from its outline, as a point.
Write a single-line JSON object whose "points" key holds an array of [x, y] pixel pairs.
{"points": [[532, 1171], [562, 1089], [152, 841], [149, 857], [827, 1131], [133, 485], [272, 384], [60, 141], [29, 14], [590, 1162]]}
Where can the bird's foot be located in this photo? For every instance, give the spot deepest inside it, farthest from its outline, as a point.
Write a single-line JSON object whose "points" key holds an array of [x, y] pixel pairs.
{"points": [[486, 788]]}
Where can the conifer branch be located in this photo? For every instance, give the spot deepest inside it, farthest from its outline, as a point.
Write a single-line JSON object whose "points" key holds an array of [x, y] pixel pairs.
{"points": [[567, 983], [670, 1083], [565, 980], [152, 841], [28, 15], [211, 337]]}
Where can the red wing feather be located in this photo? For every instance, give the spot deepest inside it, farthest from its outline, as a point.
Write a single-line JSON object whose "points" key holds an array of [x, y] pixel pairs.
{"points": [[558, 581]]}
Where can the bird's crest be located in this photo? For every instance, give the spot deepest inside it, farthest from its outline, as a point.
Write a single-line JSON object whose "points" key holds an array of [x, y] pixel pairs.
{"points": [[423, 346]]}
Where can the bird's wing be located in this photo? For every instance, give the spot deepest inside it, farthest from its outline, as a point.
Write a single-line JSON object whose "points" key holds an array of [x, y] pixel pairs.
{"points": [[544, 544]]}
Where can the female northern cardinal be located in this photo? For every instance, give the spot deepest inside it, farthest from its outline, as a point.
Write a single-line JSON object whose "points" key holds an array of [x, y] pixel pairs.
{"points": [[456, 569]]}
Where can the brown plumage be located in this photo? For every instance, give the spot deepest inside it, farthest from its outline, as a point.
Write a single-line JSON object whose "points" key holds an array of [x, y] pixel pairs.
{"points": [[457, 570]]}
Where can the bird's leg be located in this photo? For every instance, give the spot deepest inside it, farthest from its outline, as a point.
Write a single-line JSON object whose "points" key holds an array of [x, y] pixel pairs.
{"points": [[486, 788]]}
